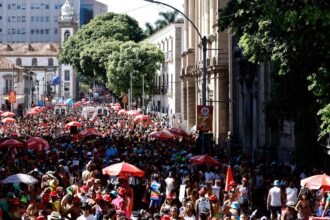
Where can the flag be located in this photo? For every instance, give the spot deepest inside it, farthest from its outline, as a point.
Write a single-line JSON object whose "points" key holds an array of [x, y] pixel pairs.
{"points": [[56, 80], [229, 178]]}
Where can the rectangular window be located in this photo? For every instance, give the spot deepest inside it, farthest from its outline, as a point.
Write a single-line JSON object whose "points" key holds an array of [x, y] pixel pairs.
{"points": [[13, 6], [56, 18], [56, 7], [47, 31], [0, 30], [0, 5], [0, 17], [32, 18], [32, 6], [13, 18], [41, 19], [42, 31], [67, 75], [18, 7], [23, 6], [32, 31], [47, 19], [47, 6], [37, 18], [37, 31], [9, 19], [19, 18], [23, 18], [55, 31], [9, 6]]}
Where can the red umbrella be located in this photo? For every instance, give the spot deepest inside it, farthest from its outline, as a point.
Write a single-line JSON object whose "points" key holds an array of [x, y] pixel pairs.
{"points": [[73, 124], [77, 104], [89, 132], [316, 182], [11, 142], [141, 118], [8, 120], [122, 112], [204, 159], [162, 135], [8, 114], [178, 132], [33, 112], [133, 113], [123, 169], [37, 143]]}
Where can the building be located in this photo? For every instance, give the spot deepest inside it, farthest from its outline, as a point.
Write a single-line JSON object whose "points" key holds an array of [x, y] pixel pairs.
{"points": [[89, 9], [33, 21], [204, 15], [13, 77], [168, 91], [41, 60]]}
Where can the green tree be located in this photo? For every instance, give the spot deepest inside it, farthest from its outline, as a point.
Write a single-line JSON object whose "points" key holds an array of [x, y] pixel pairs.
{"points": [[294, 35], [88, 49], [165, 19], [136, 59]]}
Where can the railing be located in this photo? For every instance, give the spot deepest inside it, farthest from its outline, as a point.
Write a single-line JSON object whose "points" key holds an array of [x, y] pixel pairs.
{"points": [[168, 56]]}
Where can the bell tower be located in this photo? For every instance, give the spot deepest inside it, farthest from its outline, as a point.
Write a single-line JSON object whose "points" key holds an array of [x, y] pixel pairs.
{"points": [[68, 25]]}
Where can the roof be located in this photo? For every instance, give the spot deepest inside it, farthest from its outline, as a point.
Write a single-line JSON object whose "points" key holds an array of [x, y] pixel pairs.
{"points": [[8, 65], [32, 49]]}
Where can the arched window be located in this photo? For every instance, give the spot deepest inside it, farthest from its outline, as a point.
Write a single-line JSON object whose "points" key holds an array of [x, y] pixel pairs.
{"points": [[50, 62], [34, 62], [19, 62]]}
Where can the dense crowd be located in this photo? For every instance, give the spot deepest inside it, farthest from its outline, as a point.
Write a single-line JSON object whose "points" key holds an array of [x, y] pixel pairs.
{"points": [[71, 184]]}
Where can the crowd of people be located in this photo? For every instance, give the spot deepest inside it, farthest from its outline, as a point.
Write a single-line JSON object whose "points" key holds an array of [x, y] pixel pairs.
{"points": [[71, 184]]}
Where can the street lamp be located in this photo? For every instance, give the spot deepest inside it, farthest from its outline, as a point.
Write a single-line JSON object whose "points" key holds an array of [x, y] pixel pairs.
{"points": [[204, 46]]}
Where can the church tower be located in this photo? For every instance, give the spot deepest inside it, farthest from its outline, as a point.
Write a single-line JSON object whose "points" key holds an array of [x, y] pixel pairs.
{"points": [[68, 25]]}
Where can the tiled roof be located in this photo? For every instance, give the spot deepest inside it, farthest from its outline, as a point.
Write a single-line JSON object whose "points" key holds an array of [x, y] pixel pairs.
{"points": [[7, 65], [32, 49]]}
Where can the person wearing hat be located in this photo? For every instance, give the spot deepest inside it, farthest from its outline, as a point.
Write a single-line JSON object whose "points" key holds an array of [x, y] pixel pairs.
{"points": [[54, 216], [83, 194], [274, 201], [203, 205], [86, 213], [235, 210], [215, 206], [243, 195]]}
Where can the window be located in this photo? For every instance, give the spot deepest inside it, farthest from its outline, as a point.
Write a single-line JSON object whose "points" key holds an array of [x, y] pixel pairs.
{"points": [[0, 30], [46, 6], [67, 75], [46, 31], [50, 62], [34, 62], [13, 18], [37, 31], [32, 31], [0, 5], [23, 18], [32, 18], [9, 6], [23, 6], [56, 18], [55, 31], [19, 62], [0, 17], [47, 19], [9, 19], [42, 31], [18, 7]]}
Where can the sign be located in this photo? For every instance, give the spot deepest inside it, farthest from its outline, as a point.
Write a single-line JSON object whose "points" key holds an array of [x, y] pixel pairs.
{"points": [[204, 206], [12, 97], [204, 118], [90, 113]]}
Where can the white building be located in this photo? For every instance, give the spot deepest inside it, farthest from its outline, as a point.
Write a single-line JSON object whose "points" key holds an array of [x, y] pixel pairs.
{"points": [[37, 20], [168, 92]]}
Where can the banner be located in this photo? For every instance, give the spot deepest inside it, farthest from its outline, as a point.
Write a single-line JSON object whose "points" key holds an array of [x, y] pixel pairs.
{"points": [[204, 118], [12, 97]]}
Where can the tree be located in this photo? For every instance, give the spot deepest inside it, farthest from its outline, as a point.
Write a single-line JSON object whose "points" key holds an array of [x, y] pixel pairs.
{"points": [[88, 49], [136, 59], [294, 35], [166, 18]]}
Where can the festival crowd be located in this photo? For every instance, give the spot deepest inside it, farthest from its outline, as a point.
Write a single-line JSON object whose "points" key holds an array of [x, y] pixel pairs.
{"points": [[71, 184]]}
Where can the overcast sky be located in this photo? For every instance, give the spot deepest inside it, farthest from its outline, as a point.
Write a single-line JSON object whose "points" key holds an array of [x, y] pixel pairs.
{"points": [[141, 10]]}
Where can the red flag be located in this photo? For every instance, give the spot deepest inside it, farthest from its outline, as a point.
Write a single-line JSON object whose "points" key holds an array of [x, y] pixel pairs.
{"points": [[229, 178]]}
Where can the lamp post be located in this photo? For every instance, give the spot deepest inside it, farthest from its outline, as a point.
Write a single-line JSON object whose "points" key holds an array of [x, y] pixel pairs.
{"points": [[204, 70]]}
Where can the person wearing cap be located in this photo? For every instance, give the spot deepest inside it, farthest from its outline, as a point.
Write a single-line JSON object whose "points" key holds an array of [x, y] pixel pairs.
{"points": [[203, 205], [54, 216], [215, 206], [243, 195], [274, 201], [235, 210], [86, 215]]}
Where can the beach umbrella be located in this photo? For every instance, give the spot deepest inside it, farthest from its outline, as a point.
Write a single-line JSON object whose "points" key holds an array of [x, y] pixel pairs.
{"points": [[204, 160], [161, 135], [88, 132], [20, 178], [178, 132], [316, 182], [121, 112], [33, 112], [123, 169], [11, 143], [37, 143], [8, 114], [73, 124], [8, 120]]}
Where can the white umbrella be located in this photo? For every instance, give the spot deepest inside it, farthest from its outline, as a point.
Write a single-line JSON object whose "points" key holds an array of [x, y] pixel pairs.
{"points": [[20, 178]]}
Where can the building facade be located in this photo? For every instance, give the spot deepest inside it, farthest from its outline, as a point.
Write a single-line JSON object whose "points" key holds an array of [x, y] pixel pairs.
{"points": [[167, 80], [204, 15], [32, 21], [89, 9]]}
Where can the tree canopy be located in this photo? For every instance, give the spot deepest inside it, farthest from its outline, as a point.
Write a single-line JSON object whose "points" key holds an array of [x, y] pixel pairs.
{"points": [[138, 59], [88, 49], [294, 35], [165, 19]]}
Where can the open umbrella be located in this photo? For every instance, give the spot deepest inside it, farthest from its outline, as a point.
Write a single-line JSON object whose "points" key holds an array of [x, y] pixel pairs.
{"points": [[8, 114], [37, 143], [73, 124], [11, 143], [123, 169], [88, 132], [32, 112], [8, 120], [121, 112], [316, 182], [20, 178], [133, 113], [142, 117], [161, 135], [204, 160], [178, 132]]}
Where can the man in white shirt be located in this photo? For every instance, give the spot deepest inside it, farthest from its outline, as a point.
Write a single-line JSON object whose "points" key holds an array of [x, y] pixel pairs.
{"points": [[170, 183], [274, 201], [291, 193]]}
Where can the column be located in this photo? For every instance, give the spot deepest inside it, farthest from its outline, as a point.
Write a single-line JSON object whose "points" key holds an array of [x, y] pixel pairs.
{"points": [[191, 105], [223, 111]]}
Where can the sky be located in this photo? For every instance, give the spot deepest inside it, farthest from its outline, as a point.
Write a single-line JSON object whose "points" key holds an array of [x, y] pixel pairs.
{"points": [[141, 10]]}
